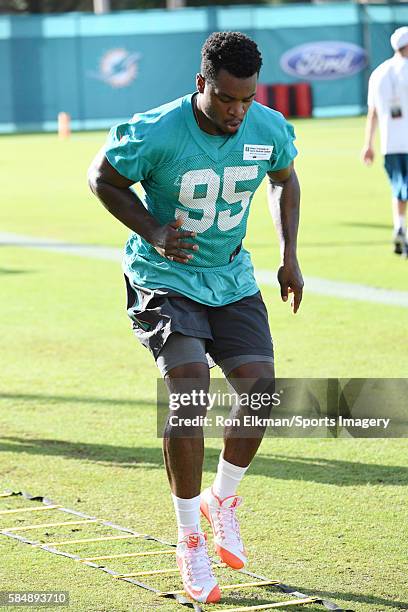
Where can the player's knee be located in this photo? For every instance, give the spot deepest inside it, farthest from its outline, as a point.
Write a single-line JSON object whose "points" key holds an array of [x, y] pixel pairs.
{"points": [[256, 370], [257, 393], [188, 387], [197, 371]]}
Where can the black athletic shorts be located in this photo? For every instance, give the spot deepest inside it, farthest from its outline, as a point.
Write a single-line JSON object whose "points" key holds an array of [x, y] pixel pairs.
{"points": [[239, 328]]}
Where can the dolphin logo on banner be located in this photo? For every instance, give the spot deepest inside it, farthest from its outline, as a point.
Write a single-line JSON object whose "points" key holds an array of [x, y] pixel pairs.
{"points": [[118, 68]]}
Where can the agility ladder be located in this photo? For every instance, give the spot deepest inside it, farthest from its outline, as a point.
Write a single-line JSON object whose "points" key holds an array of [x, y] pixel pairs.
{"points": [[126, 534]]}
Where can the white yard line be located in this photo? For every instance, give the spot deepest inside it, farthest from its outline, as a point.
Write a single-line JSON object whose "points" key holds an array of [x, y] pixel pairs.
{"points": [[319, 286], [49, 244]]}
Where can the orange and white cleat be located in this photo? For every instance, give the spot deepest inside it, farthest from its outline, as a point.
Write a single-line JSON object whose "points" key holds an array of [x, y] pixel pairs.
{"points": [[220, 513], [195, 569]]}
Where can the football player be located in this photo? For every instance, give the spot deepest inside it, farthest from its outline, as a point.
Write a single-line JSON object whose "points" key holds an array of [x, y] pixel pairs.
{"points": [[192, 296]]}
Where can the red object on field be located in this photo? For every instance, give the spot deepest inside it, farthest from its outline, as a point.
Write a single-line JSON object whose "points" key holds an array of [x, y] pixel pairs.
{"points": [[294, 100], [262, 94], [280, 98], [303, 99]]}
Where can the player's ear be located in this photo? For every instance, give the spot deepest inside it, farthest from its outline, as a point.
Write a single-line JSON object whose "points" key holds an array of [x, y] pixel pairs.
{"points": [[200, 83]]}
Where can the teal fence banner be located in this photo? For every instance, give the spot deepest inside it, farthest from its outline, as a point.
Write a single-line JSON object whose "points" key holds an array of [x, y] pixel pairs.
{"points": [[103, 68]]}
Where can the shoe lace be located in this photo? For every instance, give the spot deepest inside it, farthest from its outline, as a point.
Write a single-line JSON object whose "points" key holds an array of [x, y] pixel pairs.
{"points": [[198, 564], [227, 526]]}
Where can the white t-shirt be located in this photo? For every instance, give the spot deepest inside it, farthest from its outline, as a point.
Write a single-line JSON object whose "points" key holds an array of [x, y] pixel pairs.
{"points": [[388, 88]]}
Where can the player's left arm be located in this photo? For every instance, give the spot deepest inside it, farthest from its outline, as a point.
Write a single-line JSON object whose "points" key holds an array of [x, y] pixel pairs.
{"points": [[284, 204]]}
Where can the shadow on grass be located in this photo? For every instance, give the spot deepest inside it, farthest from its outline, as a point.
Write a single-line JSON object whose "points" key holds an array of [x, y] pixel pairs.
{"points": [[13, 271], [124, 456], [328, 471], [347, 599], [342, 599], [74, 399], [370, 225], [238, 600], [279, 467], [377, 604]]}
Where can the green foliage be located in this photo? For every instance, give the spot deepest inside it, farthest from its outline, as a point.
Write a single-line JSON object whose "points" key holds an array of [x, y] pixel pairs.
{"points": [[45, 6], [64, 6]]}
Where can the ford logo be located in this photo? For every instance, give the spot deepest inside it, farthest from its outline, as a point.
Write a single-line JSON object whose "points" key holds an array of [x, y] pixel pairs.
{"points": [[324, 60]]}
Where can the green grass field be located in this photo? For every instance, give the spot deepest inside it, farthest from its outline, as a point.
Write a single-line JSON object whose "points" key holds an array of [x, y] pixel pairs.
{"points": [[77, 393]]}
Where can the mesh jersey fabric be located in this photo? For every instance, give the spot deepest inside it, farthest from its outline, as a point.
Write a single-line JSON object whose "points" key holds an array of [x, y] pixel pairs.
{"points": [[210, 183]]}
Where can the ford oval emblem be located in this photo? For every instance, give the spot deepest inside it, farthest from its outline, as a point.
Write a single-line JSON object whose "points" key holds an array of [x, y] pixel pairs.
{"points": [[324, 60]]}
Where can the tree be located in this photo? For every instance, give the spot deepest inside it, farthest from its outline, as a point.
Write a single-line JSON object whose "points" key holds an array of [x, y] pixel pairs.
{"points": [[65, 6], [45, 6]]}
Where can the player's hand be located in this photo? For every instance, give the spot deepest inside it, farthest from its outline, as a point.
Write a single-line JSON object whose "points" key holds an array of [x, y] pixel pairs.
{"points": [[367, 155], [171, 243], [291, 281]]}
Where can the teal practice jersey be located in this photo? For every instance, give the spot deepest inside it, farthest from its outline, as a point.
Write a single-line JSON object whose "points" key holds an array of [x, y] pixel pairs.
{"points": [[207, 180]]}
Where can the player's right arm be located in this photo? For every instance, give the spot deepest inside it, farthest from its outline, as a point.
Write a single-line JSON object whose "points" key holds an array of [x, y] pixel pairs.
{"points": [[367, 153], [113, 190]]}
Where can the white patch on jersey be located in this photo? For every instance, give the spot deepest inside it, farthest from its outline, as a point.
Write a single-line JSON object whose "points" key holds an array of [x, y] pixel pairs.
{"points": [[257, 151]]}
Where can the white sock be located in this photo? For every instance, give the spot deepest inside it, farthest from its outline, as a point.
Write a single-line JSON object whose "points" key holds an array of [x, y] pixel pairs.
{"points": [[187, 515], [228, 478], [399, 220]]}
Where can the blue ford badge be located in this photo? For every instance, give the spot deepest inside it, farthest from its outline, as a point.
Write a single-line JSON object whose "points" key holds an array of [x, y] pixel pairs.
{"points": [[324, 60]]}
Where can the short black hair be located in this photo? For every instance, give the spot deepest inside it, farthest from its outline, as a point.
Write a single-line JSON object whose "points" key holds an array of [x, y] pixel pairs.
{"points": [[233, 51]]}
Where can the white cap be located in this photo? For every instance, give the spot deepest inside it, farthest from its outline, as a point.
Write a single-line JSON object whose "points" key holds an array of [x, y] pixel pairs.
{"points": [[400, 38]]}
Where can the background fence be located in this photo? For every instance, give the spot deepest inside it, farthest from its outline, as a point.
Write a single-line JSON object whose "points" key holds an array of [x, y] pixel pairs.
{"points": [[103, 68]]}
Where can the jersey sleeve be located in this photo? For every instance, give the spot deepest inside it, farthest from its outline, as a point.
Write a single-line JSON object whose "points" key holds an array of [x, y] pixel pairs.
{"points": [[127, 150], [284, 150]]}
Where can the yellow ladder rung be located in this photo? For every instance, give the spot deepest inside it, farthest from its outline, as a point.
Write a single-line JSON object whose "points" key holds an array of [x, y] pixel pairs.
{"points": [[147, 573], [6, 494], [247, 585], [134, 554], [225, 587], [40, 526], [153, 572], [282, 604], [37, 509], [100, 539]]}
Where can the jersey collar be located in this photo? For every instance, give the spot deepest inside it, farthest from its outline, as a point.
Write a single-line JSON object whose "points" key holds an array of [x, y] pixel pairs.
{"points": [[217, 154]]}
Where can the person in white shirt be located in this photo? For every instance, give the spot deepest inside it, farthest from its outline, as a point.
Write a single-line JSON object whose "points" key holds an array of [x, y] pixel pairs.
{"points": [[388, 108]]}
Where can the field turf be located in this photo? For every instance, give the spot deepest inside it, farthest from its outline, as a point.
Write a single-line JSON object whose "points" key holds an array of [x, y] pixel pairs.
{"points": [[77, 393]]}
